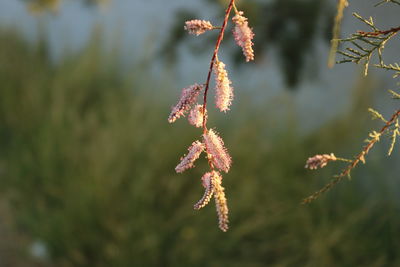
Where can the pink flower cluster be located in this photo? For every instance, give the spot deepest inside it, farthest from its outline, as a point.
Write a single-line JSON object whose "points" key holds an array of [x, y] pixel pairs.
{"points": [[197, 26], [216, 151], [188, 98], [220, 202], [208, 192], [187, 161], [195, 117], [243, 35], [212, 182], [319, 161], [223, 89]]}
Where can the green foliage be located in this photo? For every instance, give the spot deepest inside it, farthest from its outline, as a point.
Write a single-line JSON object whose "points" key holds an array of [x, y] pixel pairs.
{"points": [[87, 166], [366, 44]]}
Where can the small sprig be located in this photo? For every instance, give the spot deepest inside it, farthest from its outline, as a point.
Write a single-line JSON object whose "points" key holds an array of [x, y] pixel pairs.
{"points": [[391, 67], [365, 44], [395, 133], [319, 161], [394, 94], [374, 137], [376, 115]]}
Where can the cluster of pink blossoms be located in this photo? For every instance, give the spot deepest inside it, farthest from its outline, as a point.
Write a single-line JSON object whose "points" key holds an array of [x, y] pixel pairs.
{"points": [[223, 88], [211, 143], [319, 161], [243, 35], [197, 26], [188, 98]]}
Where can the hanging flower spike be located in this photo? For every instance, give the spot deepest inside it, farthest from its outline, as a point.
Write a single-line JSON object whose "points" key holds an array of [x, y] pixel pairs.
{"points": [[216, 151], [195, 117], [217, 155], [197, 26], [220, 202], [188, 98], [208, 193], [243, 35], [319, 161], [224, 90], [187, 161]]}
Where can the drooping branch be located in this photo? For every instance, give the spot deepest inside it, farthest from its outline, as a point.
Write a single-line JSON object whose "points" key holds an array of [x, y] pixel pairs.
{"points": [[375, 137]]}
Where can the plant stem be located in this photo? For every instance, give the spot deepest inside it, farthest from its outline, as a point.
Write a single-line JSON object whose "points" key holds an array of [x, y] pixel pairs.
{"points": [[217, 45], [353, 164], [377, 33]]}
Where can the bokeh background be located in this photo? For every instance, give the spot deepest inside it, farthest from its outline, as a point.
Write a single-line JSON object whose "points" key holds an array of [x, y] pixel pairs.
{"points": [[87, 157]]}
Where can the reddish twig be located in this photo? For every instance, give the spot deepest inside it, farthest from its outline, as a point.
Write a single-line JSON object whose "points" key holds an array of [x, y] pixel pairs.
{"points": [[217, 45], [377, 33], [354, 163]]}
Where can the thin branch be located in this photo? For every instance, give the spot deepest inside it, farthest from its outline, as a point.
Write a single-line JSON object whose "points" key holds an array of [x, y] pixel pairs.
{"points": [[217, 45], [379, 32], [336, 32], [354, 163]]}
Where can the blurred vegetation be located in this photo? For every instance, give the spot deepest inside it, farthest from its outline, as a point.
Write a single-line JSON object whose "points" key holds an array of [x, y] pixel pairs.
{"points": [[53, 6], [87, 168]]}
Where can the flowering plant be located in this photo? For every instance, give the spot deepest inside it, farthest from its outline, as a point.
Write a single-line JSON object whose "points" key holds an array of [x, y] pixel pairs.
{"points": [[210, 142]]}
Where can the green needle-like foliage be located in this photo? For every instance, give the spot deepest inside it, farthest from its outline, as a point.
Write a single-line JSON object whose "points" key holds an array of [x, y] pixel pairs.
{"points": [[360, 48], [363, 45]]}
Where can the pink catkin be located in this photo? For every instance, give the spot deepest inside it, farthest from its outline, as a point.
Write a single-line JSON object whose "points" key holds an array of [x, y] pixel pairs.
{"points": [[208, 192], [319, 161], [188, 98], [187, 161], [197, 26], [220, 202], [195, 117], [243, 35], [224, 90], [216, 151]]}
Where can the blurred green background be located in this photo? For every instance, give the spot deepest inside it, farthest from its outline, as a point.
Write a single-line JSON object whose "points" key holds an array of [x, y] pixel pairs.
{"points": [[87, 169]]}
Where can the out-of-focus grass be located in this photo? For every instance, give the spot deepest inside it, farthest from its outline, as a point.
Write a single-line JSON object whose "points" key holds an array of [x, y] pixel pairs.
{"points": [[87, 167]]}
